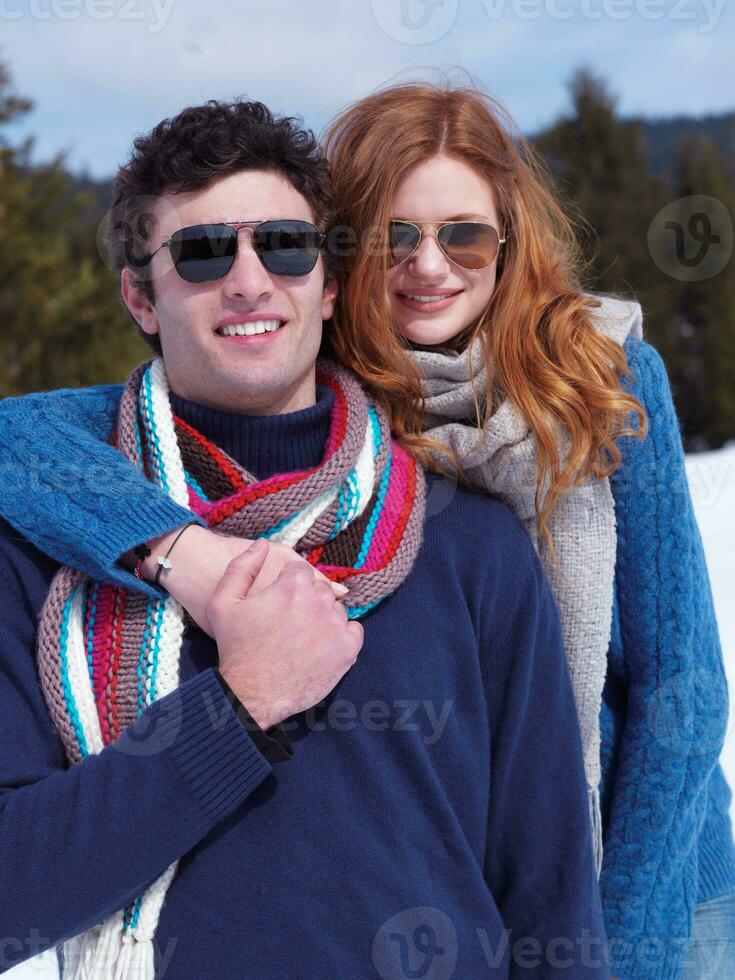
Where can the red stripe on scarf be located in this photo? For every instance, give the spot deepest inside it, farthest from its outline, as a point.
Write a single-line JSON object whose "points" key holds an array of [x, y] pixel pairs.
{"points": [[405, 512], [227, 468], [340, 409], [217, 511]]}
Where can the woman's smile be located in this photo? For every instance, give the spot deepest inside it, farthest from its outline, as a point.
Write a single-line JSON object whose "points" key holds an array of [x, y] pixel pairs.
{"points": [[428, 301]]}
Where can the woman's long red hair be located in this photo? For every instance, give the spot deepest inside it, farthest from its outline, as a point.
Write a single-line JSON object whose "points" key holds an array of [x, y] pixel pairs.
{"points": [[539, 344]]}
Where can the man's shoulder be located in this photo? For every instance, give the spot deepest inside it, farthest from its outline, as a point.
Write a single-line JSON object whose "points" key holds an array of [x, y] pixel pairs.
{"points": [[476, 520], [476, 541]]}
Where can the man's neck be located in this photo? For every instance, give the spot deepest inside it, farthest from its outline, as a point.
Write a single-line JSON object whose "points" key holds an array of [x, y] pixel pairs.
{"points": [[245, 400]]}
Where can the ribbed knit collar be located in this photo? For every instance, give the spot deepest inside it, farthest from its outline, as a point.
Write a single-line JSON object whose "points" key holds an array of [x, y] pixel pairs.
{"points": [[265, 444]]}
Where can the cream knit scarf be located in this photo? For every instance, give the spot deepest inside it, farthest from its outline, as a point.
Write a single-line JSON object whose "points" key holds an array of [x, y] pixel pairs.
{"points": [[582, 524]]}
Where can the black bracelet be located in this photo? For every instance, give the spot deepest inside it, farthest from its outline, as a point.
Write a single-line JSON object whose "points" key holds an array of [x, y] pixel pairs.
{"points": [[141, 553], [162, 560]]}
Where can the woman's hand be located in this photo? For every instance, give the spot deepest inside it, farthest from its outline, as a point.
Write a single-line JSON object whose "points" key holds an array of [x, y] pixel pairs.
{"points": [[199, 561]]}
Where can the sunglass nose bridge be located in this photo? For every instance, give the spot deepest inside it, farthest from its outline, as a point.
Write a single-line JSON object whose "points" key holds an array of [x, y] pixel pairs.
{"points": [[423, 251]]}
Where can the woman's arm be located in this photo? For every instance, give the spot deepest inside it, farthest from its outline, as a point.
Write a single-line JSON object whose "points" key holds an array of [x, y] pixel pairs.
{"points": [[70, 492], [539, 863], [677, 698]]}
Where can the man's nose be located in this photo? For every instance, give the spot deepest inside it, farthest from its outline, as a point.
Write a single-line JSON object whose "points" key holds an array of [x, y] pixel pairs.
{"points": [[428, 261], [248, 277]]}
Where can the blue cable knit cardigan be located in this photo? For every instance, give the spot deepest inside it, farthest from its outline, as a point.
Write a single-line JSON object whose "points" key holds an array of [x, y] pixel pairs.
{"points": [[665, 802]]}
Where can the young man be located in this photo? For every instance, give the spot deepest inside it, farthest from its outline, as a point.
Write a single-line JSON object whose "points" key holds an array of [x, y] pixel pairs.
{"points": [[431, 815]]}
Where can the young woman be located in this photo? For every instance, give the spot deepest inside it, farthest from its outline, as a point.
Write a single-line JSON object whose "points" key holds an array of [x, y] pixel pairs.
{"points": [[461, 308]]}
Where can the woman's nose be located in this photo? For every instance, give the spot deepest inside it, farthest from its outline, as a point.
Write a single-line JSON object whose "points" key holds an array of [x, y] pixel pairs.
{"points": [[428, 259]]}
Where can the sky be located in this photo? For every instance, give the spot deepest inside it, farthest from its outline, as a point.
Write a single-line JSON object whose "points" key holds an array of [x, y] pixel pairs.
{"points": [[100, 71]]}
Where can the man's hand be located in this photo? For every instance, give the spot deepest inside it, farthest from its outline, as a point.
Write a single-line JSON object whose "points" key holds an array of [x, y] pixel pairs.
{"points": [[284, 648], [200, 559]]}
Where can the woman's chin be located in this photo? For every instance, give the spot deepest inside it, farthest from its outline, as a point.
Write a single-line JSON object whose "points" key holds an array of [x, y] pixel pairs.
{"points": [[427, 339]]}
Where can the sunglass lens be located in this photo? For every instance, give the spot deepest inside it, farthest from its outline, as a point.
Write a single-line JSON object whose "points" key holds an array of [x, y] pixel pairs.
{"points": [[203, 253], [287, 248], [469, 244], [402, 240]]}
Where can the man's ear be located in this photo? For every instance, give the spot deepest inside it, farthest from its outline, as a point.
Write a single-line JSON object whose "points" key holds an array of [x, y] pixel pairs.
{"points": [[328, 297], [138, 303]]}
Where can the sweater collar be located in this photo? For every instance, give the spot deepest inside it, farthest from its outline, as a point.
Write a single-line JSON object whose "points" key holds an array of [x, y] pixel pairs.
{"points": [[265, 444]]}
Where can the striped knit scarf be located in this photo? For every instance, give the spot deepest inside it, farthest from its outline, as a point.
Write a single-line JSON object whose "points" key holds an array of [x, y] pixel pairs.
{"points": [[105, 653]]}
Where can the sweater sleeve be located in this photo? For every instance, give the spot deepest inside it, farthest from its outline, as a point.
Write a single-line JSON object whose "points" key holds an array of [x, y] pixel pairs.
{"points": [[539, 859], [677, 699], [78, 843], [70, 492]]}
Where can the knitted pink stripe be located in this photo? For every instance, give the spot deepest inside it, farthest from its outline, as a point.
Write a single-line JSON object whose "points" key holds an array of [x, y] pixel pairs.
{"points": [[391, 512], [195, 501], [101, 649]]}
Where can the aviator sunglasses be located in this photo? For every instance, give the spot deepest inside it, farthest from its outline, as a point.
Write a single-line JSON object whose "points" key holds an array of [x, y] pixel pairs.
{"points": [[203, 253], [471, 244]]}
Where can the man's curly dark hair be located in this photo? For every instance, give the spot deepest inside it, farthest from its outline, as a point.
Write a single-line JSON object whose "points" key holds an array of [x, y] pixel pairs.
{"points": [[194, 149]]}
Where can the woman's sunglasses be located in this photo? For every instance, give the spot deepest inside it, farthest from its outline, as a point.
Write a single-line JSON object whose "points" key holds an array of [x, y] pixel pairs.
{"points": [[203, 253], [471, 244]]}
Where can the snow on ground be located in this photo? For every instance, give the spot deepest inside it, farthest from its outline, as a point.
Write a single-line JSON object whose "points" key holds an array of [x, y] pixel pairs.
{"points": [[712, 482]]}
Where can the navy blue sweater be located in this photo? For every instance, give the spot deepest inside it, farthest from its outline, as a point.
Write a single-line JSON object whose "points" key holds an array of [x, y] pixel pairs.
{"points": [[433, 820]]}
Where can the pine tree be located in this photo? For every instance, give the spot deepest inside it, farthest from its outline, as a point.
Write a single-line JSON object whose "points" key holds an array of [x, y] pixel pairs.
{"points": [[62, 322], [702, 368], [620, 207], [600, 165]]}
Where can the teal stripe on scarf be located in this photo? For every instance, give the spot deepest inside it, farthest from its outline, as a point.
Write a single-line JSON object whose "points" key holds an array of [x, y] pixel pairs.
{"points": [[375, 516], [195, 487], [68, 695], [90, 632], [150, 640], [160, 468]]}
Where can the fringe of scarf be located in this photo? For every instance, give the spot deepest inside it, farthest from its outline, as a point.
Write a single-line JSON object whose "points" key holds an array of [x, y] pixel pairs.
{"points": [[106, 653]]}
